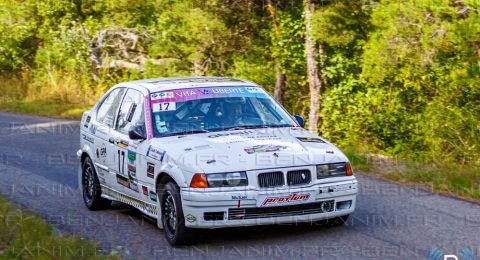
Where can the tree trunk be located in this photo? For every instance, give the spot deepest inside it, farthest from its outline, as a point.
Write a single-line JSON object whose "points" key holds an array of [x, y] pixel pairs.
{"points": [[280, 83], [280, 77], [198, 67], [323, 72], [314, 83]]}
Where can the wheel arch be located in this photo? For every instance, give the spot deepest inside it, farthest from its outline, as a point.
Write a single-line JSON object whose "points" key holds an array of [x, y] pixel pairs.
{"points": [[85, 152], [162, 179]]}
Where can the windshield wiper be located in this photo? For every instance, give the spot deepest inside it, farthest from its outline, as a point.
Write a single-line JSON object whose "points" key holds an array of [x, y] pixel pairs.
{"points": [[276, 126], [253, 127], [198, 131], [243, 127]]}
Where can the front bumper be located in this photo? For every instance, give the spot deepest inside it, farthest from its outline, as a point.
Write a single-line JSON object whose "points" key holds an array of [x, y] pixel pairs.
{"points": [[206, 209]]}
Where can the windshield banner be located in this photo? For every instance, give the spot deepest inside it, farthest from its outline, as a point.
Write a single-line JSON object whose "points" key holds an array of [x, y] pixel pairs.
{"points": [[182, 95]]}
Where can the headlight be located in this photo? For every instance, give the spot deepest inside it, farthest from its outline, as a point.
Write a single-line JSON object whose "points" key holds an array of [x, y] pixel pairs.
{"points": [[231, 179], [333, 170]]}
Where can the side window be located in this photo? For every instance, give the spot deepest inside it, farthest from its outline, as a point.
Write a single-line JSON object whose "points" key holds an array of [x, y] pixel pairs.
{"points": [[108, 108], [131, 111]]}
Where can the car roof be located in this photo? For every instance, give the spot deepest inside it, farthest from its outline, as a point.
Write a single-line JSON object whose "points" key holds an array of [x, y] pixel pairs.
{"points": [[162, 84]]}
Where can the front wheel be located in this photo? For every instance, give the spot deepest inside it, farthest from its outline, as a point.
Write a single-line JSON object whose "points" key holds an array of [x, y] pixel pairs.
{"points": [[172, 216], [91, 187]]}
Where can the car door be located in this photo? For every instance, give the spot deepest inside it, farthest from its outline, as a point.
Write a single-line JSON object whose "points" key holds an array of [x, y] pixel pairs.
{"points": [[131, 113], [102, 129]]}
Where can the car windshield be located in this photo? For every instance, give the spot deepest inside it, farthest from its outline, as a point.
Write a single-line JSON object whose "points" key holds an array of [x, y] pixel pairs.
{"points": [[209, 109]]}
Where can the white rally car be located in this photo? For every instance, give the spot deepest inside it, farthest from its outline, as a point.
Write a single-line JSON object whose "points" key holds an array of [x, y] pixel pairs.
{"points": [[209, 152]]}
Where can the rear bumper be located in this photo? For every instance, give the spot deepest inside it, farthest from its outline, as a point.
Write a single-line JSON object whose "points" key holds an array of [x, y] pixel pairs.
{"points": [[246, 208]]}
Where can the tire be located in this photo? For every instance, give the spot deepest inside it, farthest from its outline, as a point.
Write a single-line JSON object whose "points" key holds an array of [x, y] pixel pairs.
{"points": [[91, 187], [172, 216]]}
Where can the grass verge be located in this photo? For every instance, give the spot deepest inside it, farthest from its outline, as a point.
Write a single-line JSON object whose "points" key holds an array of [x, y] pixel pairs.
{"points": [[456, 180], [44, 108], [25, 236], [359, 160], [449, 179]]}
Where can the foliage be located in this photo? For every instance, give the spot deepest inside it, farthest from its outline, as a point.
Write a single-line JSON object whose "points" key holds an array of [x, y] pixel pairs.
{"points": [[402, 78], [17, 35]]}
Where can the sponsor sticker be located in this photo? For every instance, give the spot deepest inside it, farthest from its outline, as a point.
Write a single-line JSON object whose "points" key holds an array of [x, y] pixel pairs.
{"points": [[87, 121], [153, 195], [88, 138], [132, 168], [197, 148], [123, 144], [190, 218], [122, 180], [155, 153], [162, 95], [93, 129], [254, 90], [132, 174], [182, 95], [263, 148], [133, 186], [127, 182], [150, 170], [281, 200], [103, 153], [239, 197], [247, 132], [132, 156], [149, 118]]}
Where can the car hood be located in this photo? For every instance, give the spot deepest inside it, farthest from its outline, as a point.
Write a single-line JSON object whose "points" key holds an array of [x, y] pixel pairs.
{"points": [[250, 149]]}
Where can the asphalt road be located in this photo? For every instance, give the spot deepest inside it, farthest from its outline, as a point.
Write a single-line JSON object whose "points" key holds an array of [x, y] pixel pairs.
{"points": [[38, 170]]}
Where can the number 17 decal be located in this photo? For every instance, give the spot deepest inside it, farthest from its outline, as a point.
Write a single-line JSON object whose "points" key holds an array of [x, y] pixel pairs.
{"points": [[164, 106]]}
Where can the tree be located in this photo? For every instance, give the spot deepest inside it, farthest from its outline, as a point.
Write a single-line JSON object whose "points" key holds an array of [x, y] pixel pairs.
{"points": [[280, 77], [314, 83]]}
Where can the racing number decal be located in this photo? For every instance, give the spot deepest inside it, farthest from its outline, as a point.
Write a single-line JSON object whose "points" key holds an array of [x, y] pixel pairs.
{"points": [[164, 106], [121, 157]]}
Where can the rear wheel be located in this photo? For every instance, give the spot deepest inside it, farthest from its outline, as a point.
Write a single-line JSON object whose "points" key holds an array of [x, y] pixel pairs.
{"points": [[172, 216], [91, 187]]}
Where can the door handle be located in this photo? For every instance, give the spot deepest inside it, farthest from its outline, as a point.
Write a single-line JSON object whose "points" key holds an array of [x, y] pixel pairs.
{"points": [[111, 140]]}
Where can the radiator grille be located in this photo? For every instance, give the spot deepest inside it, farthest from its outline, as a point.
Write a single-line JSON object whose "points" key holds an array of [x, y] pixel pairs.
{"points": [[271, 179], [298, 177]]}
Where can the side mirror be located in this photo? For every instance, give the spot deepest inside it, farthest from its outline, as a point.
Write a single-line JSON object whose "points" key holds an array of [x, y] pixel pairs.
{"points": [[299, 120], [137, 132]]}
